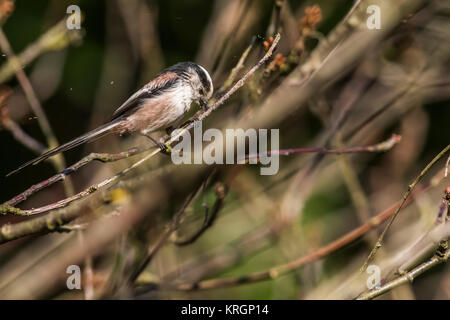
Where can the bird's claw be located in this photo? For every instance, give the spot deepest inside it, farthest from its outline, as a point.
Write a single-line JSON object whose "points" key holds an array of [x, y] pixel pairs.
{"points": [[165, 149]]}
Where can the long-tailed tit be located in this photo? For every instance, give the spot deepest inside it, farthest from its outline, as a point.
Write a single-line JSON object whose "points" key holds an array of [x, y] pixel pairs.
{"points": [[159, 104]]}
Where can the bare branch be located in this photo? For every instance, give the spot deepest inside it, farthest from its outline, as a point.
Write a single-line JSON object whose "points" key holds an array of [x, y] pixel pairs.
{"points": [[405, 196], [379, 147], [93, 188], [291, 266], [442, 254], [102, 157]]}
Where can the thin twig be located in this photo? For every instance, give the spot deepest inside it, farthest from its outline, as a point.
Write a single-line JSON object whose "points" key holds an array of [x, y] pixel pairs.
{"points": [[446, 166], [291, 266], [52, 141], [405, 196], [10, 125], [22, 137], [102, 157], [220, 193], [235, 71], [29, 92], [56, 38], [94, 188], [424, 244], [379, 147], [442, 255], [163, 239]]}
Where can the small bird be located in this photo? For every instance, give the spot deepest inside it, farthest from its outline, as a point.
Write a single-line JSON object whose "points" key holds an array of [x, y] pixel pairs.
{"points": [[159, 104]]}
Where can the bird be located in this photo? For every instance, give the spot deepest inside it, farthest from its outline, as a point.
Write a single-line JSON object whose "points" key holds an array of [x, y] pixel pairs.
{"points": [[159, 104]]}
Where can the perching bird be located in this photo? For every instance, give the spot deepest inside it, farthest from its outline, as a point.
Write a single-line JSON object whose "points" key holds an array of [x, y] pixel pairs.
{"points": [[159, 104]]}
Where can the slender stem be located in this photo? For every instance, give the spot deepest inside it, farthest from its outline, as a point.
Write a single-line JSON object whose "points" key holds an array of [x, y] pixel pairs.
{"points": [[103, 157], [52, 142], [56, 38], [405, 197], [162, 240], [22, 137], [407, 277], [291, 266], [235, 71], [94, 188], [379, 147], [207, 223]]}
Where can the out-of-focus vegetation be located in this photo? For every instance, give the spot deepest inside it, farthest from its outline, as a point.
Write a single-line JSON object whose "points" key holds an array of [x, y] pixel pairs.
{"points": [[333, 83]]}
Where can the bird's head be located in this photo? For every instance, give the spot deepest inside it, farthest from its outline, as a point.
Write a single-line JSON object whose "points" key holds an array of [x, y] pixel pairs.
{"points": [[198, 79]]}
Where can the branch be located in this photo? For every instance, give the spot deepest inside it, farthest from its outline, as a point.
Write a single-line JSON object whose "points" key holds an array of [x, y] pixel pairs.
{"points": [[221, 192], [17, 132], [94, 188], [30, 94], [405, 196], [235, 71], [291, 266], [380, 147], [47, 223], [441, 255], [102, 157], [56, 38], [162, 240]]}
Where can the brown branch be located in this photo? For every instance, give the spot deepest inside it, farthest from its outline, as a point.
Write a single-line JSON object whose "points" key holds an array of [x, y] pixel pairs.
{"points": [[102, 157], [446, 166], [221, 192], [320, 253], [442, 254], [94, 188], [56, 38], [277, 12], [163, 239], [405, 197], [47, 223], [379, 147], [171, 229], [235, 71], [424, 244], [16, 131], [30, 94], [10, 125]]}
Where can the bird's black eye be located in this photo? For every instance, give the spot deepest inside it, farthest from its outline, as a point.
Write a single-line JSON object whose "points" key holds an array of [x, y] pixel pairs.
{"points": [[201, 91]]}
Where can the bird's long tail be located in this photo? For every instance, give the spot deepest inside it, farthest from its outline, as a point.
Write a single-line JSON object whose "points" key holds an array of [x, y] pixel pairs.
{"points": [[88, 137]]}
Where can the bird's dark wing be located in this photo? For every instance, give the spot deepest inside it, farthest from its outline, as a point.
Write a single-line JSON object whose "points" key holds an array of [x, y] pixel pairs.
{"points": [[156, 87]]}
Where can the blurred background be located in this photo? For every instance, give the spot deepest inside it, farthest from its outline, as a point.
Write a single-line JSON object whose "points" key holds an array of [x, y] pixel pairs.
{"points": [[333, 83]]}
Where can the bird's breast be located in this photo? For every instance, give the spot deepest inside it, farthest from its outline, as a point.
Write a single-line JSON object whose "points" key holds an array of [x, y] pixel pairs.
{"points": [[157, 112]]}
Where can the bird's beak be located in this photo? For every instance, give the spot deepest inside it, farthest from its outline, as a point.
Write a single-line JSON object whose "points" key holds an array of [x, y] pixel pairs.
{"points": [[203, 104]]}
